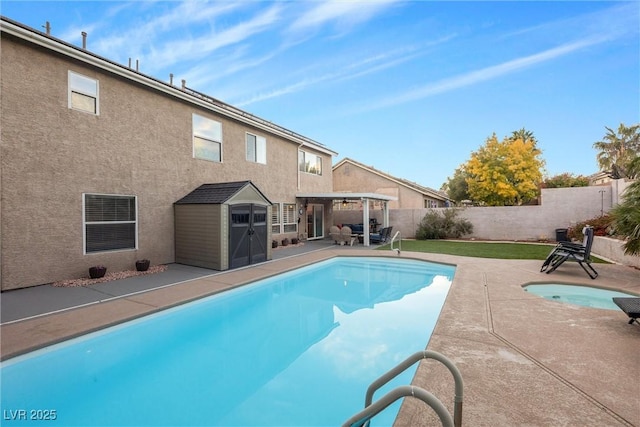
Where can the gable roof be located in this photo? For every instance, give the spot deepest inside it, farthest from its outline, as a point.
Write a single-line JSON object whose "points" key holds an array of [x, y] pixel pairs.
{"points": [[33, 36], [426, 191], [216, 194]]}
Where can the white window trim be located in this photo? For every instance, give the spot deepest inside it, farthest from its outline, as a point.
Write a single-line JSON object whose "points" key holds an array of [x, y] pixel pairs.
{"points": [[276, 207], [305, 154], [70, 90], [260, 140], [194, 135], [84, 224]]}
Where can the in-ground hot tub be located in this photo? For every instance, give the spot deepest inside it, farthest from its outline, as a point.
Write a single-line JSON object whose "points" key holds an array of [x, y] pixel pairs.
{"points": [[586, 296]]}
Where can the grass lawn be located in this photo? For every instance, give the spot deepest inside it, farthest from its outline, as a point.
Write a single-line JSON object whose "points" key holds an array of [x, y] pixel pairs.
{"points": [[481, 249]]}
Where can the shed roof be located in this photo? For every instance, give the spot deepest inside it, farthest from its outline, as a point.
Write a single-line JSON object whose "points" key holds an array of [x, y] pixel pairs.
{"points": [[217, 193]]}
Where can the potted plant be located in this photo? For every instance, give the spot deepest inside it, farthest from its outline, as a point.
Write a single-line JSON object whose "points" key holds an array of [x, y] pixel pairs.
{"points": [[97, 271], [142, 264], [295, 241], [285, 241], [274, 243]]}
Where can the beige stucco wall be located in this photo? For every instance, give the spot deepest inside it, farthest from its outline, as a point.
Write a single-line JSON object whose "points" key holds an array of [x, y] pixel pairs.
{"points": [[613, 250], [351, 178], [140, 144]]}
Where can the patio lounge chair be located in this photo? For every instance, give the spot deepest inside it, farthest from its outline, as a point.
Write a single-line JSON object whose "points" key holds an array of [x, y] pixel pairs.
{"points": [[565, 245], [631, 307], [382, 236], [565, 251]]}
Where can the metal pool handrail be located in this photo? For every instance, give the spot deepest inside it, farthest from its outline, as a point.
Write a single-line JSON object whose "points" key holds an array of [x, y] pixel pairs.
{"points": [[393, 239], [363, 417], [409, 361]]}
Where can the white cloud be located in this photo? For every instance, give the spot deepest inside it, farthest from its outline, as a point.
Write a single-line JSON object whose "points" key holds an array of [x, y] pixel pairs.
{"points": [[348, 13], [203, 45], [360, 68], [481, 75], [182, 31]]}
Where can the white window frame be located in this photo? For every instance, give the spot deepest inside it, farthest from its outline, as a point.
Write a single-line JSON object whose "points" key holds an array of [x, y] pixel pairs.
{"points": [[276, 214], [256, 148], [289, 218], [305, 165], [75, 85], [86, 223], [209, 131]]}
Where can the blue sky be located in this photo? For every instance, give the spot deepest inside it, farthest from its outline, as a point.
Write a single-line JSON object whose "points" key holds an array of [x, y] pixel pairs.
{"points": [[410, 88]]}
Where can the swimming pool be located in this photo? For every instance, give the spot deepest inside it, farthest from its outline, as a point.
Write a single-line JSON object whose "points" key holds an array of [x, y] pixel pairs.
{"points": [[585, 296], [296, 349]]}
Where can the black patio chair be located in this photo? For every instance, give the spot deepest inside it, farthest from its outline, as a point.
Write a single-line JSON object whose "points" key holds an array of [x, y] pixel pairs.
{"points": [[566, 251], [381, 237]]}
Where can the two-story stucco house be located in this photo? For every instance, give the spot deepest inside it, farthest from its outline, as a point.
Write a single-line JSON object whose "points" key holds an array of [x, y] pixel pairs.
{"points": [[352, 176], [95, 156]]}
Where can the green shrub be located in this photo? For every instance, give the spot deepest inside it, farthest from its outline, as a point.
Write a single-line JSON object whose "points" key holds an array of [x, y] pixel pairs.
{"points": [[626, 215], [601, 227], [443, 224]]}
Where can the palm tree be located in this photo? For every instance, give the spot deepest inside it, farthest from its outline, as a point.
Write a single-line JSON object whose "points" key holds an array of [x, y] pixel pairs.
{"points": [[618, 150], [524, 135]]}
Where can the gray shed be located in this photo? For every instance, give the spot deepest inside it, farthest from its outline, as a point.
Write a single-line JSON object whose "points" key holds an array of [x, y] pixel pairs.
{"points": [[223, 226]]}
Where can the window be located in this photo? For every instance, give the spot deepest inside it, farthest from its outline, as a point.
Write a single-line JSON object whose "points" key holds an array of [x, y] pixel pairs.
{"points": [[275, 218], [289, 218], [309, 163], [256, 149], [207, 139], [109, 222], [83, 93]]}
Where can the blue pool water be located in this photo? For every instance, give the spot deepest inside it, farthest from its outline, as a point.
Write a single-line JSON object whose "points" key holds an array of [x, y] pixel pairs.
{"points": [[297, 349], [586, 296]]}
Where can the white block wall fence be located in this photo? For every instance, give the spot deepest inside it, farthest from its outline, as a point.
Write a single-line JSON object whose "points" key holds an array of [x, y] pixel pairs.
{"points": [[559, 208]]}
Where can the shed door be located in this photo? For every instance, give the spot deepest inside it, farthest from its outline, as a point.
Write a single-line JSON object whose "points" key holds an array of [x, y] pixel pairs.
{"points": [[248, 235]]}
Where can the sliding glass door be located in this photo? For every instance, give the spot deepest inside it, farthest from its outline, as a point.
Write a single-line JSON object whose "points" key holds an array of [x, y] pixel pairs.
{"points": [[315, 221]]}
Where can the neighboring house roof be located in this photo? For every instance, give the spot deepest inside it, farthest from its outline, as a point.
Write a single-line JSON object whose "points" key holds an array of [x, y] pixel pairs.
{"points": [[430, 192], [216, 194], [599, 177], [47, 41], [345, 195]]}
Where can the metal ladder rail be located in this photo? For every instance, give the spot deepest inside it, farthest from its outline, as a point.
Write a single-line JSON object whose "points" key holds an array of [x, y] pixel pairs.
{"points": [[363, 417], [408, 362], [393, 239]]}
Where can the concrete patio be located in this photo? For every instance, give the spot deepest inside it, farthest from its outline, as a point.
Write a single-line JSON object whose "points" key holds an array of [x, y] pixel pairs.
{"points": [[524, 360]]}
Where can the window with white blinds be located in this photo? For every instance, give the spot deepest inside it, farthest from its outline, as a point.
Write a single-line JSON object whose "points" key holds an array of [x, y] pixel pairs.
{"points": [[110, 222], [275, 218], [289, 218]]}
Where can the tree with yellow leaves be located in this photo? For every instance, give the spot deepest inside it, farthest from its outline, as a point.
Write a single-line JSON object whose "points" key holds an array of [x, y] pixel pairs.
{"points": [[507, 172]]}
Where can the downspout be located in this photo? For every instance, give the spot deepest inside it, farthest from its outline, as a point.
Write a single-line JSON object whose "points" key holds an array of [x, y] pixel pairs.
{"points": [[304, 223], [298, 164]]}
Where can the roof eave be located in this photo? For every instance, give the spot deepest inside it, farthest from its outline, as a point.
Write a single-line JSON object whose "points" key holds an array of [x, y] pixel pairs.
{"points": [[11, 27]]}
